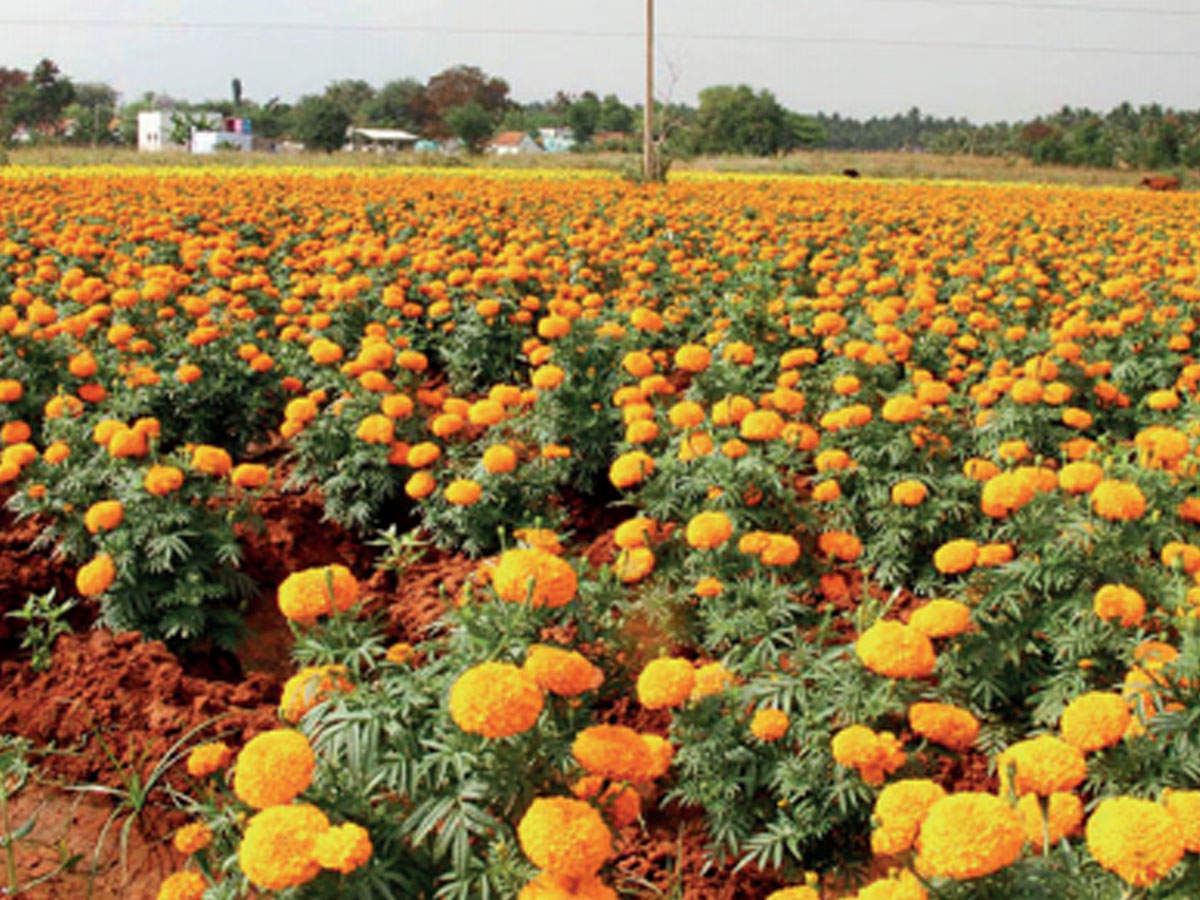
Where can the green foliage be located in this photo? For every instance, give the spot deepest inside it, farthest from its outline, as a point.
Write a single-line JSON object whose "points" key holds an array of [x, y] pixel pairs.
{"points": [[470, 123], [43, 618], [320, 124]]}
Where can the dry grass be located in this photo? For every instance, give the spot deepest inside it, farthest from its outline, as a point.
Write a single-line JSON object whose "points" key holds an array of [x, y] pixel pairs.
{"points": [[883, 164]]}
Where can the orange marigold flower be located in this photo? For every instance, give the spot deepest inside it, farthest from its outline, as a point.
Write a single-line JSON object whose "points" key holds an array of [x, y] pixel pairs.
{"points": [[875, 756], [211, 461], [534, 576], [635, 532], [762, 425], [1065, 816], [274, 768], [1095, 720], [182, 886], [909, 492], [1137, 839], [634, 564], [955, 557], [1184, 806], [708, 530], [666, 682], [310, 686], [278, 850], [376, 429], [250, 475], [1042, 765], [565, 836], [630, 468], [840, 545], [343, 848], [566, 673], [1080, 477], [895, 650], [97, 576], [499, 459], [548, 886], [192, 838], [208, 759], [616, 752], [1120, 602], [900, 809], [969, 835], [162, 480], [495, 700], [769, 725], [1118, 500], [941, 618], [306, 595], [463, 492], [104, 516], [942, 723]]}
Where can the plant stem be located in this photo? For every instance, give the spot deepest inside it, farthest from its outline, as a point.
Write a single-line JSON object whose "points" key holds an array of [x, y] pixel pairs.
{"points": [[10, 853]]}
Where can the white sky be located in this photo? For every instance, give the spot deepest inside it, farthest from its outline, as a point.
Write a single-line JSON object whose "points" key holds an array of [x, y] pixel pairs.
{"points": [[832, 55]]}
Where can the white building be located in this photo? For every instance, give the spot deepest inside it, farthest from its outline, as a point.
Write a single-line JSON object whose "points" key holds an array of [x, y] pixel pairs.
{"points": [[510, 143], [380, 139], [154, 131], [212, 141]]}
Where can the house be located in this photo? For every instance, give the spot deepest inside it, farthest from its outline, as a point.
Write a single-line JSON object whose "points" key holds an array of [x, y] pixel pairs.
{"points": [[154, 131], [510, 143], [556, 140], [379, 139], [221, 133]]}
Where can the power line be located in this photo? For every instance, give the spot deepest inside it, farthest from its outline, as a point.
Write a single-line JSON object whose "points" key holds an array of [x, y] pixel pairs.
{"points": [[1049, 5], [577, 32]]}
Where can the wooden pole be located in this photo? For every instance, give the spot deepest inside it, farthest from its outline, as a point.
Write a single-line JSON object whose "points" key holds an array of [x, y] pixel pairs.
{"points": [[648, 171]]}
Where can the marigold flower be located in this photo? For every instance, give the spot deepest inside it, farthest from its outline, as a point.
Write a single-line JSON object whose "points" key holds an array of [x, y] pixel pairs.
{"points": [[324, 352], [420, 484], [565, 836], [1080, 477], [306, 595], [781, 550], [708, 587], [495, 700], [666, 682], [1137, 839], [548, 886], [969, 835], [901, 408], [310, 686], [615, 752], [192, 838], [762, 425], [902, 886], [499, 459], [211, 461], [566, 673], [343, 848], [955, 557], [895, 650], [1184, 806], [875, 756], [839, 545], [1042, 765], [399, 654], [208, 759], [950, 726], [1065, 816], [1120, 602], [250, 475], [182, 886], [630, 468], [941, 618], [104, 516], [1118, 500], [800, 892], [97, 576], [708, 530], [692, 358], [1095, 720], [769, 725], [162, 480], [278, 849], [900, 809], [376, 429], [273, 768], [909, 492], [635, 532], [534, 576], [463, 492]]}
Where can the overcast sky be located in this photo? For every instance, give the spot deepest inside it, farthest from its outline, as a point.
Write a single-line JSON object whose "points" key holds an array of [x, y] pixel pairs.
{"points": [[857, 57]]}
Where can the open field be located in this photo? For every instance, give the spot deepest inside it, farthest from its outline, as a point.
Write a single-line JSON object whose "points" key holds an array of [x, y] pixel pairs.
{"points": [[806, 162], [537, 534]]}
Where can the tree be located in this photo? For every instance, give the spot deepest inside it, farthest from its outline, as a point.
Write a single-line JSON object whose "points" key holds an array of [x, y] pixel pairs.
{"points": [[583, 116], [460, 86], [399, 104], [236, 89], [737, 120], [94, 108], [320, 123], [40, 101], [471, 124], [351, 96], [614, 115]]}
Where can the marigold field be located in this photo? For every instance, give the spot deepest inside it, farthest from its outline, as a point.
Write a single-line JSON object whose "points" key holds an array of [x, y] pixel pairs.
{"points": [[793, 538]]}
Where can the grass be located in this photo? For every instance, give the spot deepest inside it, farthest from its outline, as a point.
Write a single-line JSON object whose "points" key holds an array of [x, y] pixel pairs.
{"points": [[874, 164]]}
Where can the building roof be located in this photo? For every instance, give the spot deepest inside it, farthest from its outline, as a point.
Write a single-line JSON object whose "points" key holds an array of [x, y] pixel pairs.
{"points": [[509, 138], [384, 134]]}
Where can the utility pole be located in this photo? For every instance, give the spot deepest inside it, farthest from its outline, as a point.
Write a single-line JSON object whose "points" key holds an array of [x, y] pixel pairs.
{"points": [[648, 170]]}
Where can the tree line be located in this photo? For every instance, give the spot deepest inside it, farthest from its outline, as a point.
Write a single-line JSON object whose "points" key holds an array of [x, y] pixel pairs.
{"points": [[466, 103]]}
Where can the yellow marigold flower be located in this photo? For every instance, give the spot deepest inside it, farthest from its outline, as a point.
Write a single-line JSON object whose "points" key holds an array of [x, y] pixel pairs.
{"points": [[97, 576], [762, 425], [324, 351], [548, 886], [909, 492], [711, 679], [399, 654], [343, 848], [903, 886], [534, 576], [900, 809], [895, 650], [875, 756], [708, 530], [664, 683], [693, 358], [376, 429], [1095, 720], [463, 492], [182, 886], [955, 557], [708, 587], [901, 408], [1043, 765], [634, 564], [310, 686], [162, 480], [994, 555], [104, 516], [250, 475], [941, 618], [1005, 494], [565, 836], [661, 753], [274, 768], [211, 461], [800, 892], [566, 673], [420, 484], [827, 491], [1120, 602], [1080, 477], [969, 835], [495, 700], [310, 593], [1065, 816], [950, 726], [769, 725], [1137, 839], [192, 838], [499, 459], [630, 468], [781, 550], [1184, 806], [278, 849], [1118, 500], [615, 752], [423, 454], [208, 759], [635, 532]]}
